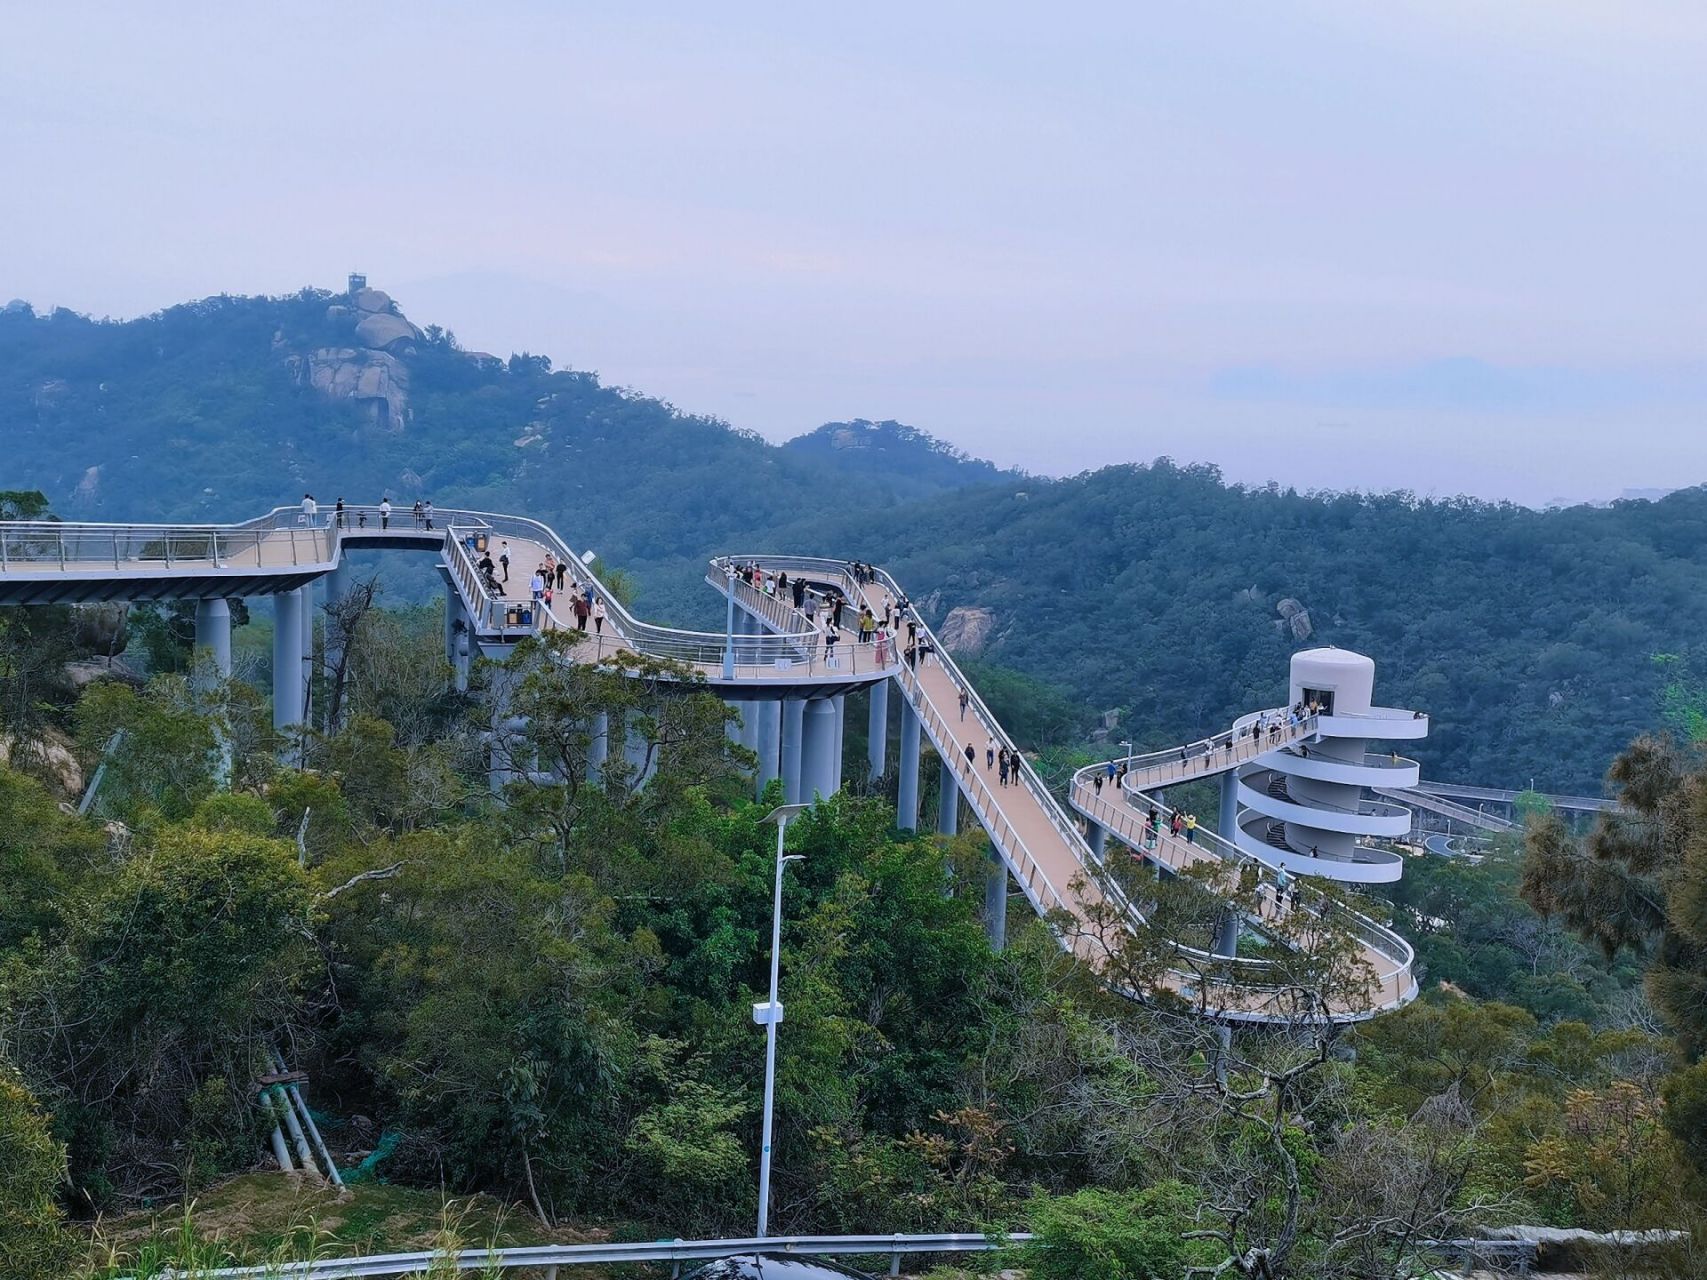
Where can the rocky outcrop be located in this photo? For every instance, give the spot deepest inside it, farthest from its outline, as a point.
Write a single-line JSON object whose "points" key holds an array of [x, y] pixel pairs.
{"points": [[1294, 618], [376, 380], [967, 630], [369, 368]]}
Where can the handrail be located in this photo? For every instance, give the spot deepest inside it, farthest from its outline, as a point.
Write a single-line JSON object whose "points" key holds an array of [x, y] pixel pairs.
{"points": [[1129, 826], [567, 1255]]}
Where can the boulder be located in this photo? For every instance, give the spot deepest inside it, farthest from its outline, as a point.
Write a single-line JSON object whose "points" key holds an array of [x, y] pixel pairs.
{"points": [[372, 378], [967, 629], [382, 330], [100, 630]]}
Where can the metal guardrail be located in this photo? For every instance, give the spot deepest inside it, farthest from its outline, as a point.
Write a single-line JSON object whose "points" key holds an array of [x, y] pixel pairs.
{"points": [[547, 1258]]}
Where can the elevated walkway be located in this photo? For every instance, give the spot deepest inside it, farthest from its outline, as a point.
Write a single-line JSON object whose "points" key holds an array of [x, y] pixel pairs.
{"points": [[769, 654]]}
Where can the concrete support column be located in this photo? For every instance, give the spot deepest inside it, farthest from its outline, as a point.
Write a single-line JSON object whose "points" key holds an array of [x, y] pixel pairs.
{"points": [[1229, 804], [735, 730], [213, 633], [1096, 835], [307, 616], [453, 615], [213, 663], [878, 728], [907, 781], [818, 751], [996, 902], [1226, 944], [793, 727], [948, 801], [840, 703], [767, 736], [598, 749], [287, 667], [634, 747]]}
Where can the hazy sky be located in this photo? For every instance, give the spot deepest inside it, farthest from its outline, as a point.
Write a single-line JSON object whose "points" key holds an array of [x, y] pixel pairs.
{"points": [[1447, 246]]}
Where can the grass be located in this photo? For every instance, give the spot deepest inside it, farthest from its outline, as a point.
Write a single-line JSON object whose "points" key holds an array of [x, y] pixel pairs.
{"points": [[270, 1218]]}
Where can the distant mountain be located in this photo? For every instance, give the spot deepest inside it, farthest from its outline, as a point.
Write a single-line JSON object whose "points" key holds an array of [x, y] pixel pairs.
{"points": [[892, 450], [1540, 641]]}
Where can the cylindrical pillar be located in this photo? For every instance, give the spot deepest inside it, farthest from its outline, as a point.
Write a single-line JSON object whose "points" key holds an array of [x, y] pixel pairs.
{"points": [[793, 725], [287, 667], [307, 615], [840, 703], [767, 731], [1228, 821], [996, 902], [818, 751], [948, 801], [907, 781], [213, 634], [453, 616], [1096, 835], [598, 748], [877, 730], [642, 760]]}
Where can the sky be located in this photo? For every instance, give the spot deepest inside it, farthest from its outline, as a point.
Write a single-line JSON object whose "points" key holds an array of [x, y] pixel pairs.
{"points": [[1448, 246]]}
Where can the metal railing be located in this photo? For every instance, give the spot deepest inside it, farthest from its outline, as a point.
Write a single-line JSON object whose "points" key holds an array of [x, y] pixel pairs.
{"points": [[34, 547], [547, 1258], [1128, 824], [1217, 753]]}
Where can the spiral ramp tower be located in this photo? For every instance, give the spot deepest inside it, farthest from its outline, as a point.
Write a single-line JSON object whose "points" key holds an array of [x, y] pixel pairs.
{"points": [[1304, 807]]}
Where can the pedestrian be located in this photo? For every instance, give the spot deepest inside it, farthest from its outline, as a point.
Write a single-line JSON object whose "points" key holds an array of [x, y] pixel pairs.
{"points": [[416, 511], [562, 572], [1191, 828], [599, 615], [361, 519], [536, 584], [912, 628], [971, 758], [339, 512], [1096, 784], [1110, 768], [836, 610], [504, 557], [1002, 766], [831, 635], [989, 753], [800, 593], [913, 662], [385, 513], [1175, 822], [309, 508], [881, 648], [582, 611], [867, 624], [964, 699], [1151, 821], [427, 512]]}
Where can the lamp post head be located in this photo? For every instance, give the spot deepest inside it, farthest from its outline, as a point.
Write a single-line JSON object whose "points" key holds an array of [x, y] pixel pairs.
{"points": [[783, 812]]}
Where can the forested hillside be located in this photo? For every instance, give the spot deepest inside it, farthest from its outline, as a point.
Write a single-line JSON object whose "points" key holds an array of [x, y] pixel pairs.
{"points": [[1540, 642]]}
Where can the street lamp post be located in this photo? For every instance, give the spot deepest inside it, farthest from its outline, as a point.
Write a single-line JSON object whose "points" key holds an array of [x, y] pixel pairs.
{"points": [[769, 1014], [1128, 747]]}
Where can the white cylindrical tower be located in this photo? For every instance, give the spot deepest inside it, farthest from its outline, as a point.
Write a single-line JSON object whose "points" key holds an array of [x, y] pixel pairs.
{"points": [[1304, 806]]}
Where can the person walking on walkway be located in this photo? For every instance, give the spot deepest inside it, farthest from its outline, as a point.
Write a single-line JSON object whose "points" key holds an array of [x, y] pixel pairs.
{"points": [[964, 699], [310, 509], [427, 513], [881, 648], [1191, 828], [971, 758], [504, 558], [582, 611], [599, 614], [831, 636], [1110, 768], [1175, 823], [1096, 784], [1002, 766], [1151, 821], [536, 584], [989, 753], [338, 512], [385, 513], [562, 572]]}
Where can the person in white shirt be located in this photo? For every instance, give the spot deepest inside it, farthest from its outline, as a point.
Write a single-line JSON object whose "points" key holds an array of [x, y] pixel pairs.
{"points": [[599, 615], [385, 513], [310, 508]]}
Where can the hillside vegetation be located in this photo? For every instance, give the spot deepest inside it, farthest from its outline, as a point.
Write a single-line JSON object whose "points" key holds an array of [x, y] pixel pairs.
{"points": [[1159, 590]]}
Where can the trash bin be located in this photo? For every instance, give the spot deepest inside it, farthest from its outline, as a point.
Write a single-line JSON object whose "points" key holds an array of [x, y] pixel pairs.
{"points": [[480, 543]]}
